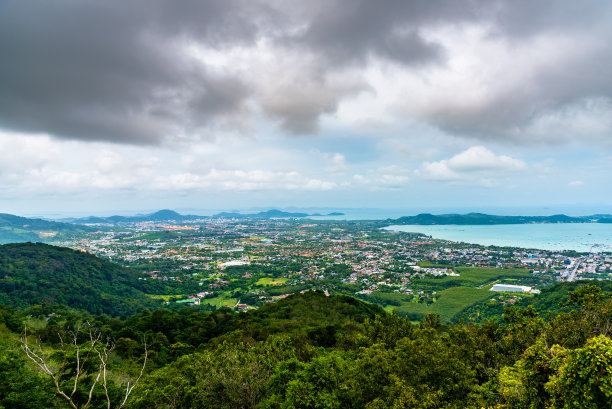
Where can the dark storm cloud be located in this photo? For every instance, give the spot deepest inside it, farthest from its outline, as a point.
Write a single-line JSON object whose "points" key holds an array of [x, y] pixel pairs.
{"points": [[351, 31], [117, 70], [524, 18], [111, 70]]}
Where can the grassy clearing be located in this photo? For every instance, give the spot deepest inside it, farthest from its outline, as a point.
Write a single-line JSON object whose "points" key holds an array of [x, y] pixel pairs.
{"points": [[166, 298], [448, 303], [429, 264], [220, 302], [271, 281]]}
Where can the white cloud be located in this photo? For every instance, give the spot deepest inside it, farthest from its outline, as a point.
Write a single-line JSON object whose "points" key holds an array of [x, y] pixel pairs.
{"points": [[438, 171], [475, 165], [315, 184], [20, 152], [334, 162], [108, 161], [479, 158], [241, 180], [384, 178]]}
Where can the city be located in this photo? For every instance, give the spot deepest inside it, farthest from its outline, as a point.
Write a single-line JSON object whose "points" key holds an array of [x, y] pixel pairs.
{"points": [[245, 263]]}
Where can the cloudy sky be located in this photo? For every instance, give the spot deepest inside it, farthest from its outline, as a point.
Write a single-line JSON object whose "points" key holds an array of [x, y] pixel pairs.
{"points": [[145, 104]]}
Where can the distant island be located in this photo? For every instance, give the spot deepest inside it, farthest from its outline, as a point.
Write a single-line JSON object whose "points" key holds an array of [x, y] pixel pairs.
{"points": [[486, 219]]}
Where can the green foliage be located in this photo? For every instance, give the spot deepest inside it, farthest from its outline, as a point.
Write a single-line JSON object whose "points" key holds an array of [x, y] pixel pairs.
{"points": [[555, 298], [319, 383], [22, 387], [586, 297], [228, 376], [583, 377], [561, 378]]}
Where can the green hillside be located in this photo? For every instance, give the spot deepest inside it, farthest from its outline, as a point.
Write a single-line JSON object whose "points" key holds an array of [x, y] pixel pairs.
{"points": [[36, 273], [14, 229]]}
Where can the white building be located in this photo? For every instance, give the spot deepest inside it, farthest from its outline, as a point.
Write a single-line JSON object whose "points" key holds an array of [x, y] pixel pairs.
{"points": [[514, 288]]}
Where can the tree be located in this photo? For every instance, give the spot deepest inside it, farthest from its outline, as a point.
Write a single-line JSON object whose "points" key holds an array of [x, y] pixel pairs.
{"points": [[76, 360], [584, 377], [20, 386]]}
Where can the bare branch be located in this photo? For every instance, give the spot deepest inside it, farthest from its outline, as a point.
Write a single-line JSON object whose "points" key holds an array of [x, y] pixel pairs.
{"points": [[129, 389], [96, 348], [103, 356], [41, 361]]}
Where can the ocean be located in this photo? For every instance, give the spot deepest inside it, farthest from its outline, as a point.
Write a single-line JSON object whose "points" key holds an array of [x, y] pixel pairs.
{"points": [[583, 237]]}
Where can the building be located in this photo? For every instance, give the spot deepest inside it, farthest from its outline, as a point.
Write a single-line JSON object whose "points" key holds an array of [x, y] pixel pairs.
{"points": [[514, 288]]}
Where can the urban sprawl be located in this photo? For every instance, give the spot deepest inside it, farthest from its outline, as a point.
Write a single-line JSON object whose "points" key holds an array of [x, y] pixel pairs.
{"points": [[242, 264]]}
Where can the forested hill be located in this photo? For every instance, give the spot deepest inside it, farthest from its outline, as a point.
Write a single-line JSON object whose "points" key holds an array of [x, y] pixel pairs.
{"points": [[36, 273], [487, 219], [15, 229], [316, 351]]}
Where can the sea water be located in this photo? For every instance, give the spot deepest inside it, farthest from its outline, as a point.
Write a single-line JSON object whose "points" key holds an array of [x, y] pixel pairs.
{"points": [[583, 237]]}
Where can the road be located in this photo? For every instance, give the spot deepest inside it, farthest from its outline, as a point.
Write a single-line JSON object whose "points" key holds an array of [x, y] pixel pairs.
{"points": [[572, 275]]}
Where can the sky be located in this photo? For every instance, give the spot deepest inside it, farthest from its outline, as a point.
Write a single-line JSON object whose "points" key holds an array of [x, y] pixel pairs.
{"points": [[116, 105]]}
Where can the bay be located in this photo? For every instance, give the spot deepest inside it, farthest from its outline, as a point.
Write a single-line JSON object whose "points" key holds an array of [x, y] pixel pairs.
{"points": [[583, 237]]}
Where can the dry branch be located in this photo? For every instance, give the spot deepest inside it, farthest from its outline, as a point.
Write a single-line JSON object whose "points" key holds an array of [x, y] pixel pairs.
{"points": [[95, 347]]}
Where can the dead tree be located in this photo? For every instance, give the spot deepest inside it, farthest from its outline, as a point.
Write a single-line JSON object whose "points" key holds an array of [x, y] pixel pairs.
{"points": [[93, 349]]}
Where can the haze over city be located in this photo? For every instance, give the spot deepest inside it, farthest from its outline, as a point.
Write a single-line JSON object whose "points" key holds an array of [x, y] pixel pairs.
{"points": [[109, 105]]}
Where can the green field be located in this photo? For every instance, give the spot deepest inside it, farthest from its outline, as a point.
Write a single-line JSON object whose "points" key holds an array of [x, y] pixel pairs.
{"points": [[220, 302], [426, 263], [453, 294], [271, 281], [165, 297], [448, 302], [472, 277]]}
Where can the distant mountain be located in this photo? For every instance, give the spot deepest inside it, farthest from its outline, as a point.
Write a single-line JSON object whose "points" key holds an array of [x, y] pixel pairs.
{"points": [[159, 216], [269, 214], [15, 229], [485, 219], [36, 273], [170, 215], [165, 214]]}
